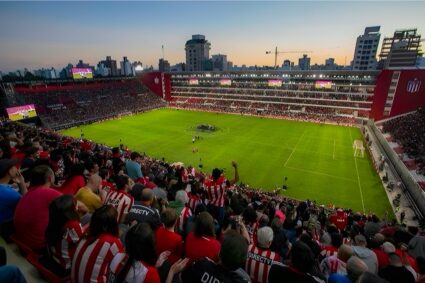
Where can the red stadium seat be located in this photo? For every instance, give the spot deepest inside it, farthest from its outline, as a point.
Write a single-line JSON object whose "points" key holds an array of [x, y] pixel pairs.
{"points": [[22, 246], [45, 272]]}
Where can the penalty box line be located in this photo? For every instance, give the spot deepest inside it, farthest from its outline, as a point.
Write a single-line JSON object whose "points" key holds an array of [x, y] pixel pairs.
{"points": [[293, 150]]}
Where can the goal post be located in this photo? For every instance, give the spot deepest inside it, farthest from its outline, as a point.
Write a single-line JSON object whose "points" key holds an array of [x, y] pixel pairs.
{"points": [[358, 148]]}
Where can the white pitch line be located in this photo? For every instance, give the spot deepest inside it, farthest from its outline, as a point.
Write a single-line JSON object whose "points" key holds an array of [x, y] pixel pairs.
{"points": [[293, 150], [358, 177], [323, 174]]}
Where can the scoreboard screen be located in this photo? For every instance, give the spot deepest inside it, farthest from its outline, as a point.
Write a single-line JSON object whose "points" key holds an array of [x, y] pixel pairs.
{"points": [[21, 112], [82, 73]]}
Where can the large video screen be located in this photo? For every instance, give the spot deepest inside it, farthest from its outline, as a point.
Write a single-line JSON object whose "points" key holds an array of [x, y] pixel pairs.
{"points": [[275, 83], [82, 73], [225, 82], [21, 112], [323, 84], [193, 81]]}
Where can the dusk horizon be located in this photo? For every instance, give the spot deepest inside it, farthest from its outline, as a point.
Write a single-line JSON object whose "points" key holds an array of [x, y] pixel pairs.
{"points": [[53, 34]]}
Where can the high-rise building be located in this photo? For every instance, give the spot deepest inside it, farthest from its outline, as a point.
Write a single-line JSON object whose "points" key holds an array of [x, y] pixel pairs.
{"points": [[102, 70], [420, 63], [219, 62], [66, 71], [111, 64], [401, 50], [330, 64], [229, 65], [46, 73], [197, 53], [126, 67], [304, 62], [180, 67], [287, 65], [81, 64], [366, 47], [163, 65]]}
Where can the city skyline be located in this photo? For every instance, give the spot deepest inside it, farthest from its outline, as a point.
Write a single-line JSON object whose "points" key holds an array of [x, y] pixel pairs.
{"points": [[53, 34]]}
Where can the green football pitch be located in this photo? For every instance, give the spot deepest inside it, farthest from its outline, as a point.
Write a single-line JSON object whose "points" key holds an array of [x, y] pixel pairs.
{"points": [[317, 159]]}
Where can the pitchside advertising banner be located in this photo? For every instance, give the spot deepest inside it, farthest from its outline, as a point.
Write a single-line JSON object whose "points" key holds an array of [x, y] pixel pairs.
{"points": [[275, 83], [82, 73], [21, 112]]}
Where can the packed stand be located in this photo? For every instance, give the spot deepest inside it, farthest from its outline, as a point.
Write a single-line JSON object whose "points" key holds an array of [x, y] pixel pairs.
{"points": [[70, 105], [409, 132], [100, 214], [343, 105], [315, 114]]}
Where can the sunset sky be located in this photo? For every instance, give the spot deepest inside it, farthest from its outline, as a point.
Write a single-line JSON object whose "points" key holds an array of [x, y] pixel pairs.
{"points": [[53, 34]]}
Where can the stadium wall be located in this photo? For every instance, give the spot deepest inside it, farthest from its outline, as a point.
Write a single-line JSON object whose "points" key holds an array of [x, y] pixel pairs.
{"points": [[409, 93], [411, 185], [52, 87], [158, 82]]}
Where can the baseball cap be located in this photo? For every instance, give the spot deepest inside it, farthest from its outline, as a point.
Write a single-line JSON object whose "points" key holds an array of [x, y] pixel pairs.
{"points": [[5, 165]]}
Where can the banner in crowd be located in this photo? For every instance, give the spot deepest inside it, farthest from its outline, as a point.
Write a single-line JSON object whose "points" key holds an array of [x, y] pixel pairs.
{"points": [[82, 73], [193, 81], [225, 82], [323, 84], [275, 83], [21, 112]]}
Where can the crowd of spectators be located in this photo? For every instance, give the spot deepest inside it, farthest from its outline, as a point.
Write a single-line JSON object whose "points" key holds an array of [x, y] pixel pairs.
{"points": [[295, 112], [409, 132], [342, 105], [265, 86], [72, 105], [100, 214], [276, 92], [279, 99]]}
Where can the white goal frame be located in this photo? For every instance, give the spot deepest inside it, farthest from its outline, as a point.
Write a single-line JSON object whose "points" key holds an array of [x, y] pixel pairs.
{"points": [[358, 148]]}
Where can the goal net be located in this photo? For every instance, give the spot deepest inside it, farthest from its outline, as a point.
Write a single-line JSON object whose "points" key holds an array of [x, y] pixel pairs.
{"points": [[358, 148]]}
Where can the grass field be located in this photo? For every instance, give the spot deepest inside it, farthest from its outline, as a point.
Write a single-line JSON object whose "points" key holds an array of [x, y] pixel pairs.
{"points": [[317, 159]]}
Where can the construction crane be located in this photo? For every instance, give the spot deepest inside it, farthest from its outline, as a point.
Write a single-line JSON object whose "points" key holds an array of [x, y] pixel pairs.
{"points": [[280, 52]]}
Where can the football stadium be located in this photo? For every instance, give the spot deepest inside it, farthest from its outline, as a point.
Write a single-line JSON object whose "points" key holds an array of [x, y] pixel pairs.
{"points": [[305, 153], [213, 173]]}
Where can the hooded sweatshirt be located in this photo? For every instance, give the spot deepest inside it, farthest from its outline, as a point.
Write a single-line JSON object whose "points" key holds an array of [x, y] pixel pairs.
{"points": [[177, 205], [368, 257], [417, 246]]}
